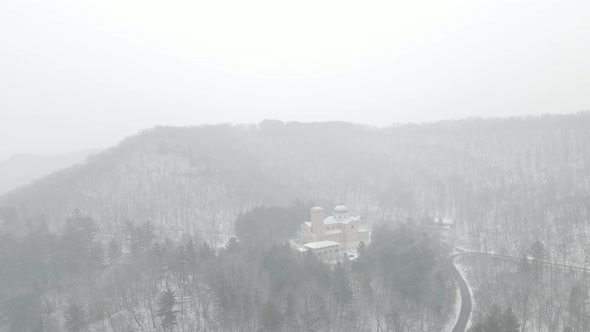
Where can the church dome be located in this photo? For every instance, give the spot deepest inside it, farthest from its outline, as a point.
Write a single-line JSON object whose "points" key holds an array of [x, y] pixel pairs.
{"points": [[340, 209]]}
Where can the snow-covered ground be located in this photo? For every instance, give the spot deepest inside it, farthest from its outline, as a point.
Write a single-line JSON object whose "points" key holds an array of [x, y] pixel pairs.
{"points": [[465, 273], [454, 315]]}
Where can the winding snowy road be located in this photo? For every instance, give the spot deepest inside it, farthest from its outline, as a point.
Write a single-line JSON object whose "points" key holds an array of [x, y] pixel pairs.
{"points": [[466, 296], [466, 304]]}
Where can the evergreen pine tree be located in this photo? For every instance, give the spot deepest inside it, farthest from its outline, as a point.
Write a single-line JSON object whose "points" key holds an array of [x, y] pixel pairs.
{"points": [[206, 253], [524, 267], [538, 253], [166, 311], [191, 255], [498, 321], [232, 246], [114, 251], [74, 316], [179, 265], [82, 248]]}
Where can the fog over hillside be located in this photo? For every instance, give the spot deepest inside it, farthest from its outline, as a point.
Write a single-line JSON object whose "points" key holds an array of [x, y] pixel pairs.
{"points": [[514, 176], [20, 170], [295, 166]]}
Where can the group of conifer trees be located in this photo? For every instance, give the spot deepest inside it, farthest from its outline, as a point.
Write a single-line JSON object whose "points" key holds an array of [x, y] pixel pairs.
{"points": [[78, 280]]}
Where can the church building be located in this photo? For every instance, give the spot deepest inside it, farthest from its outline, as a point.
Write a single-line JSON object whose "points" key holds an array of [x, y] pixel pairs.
{"points": [[333, 236]]}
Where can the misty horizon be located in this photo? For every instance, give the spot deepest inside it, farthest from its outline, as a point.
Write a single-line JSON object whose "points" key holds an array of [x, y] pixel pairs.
{"points": [[110, 143], [102, 71]]}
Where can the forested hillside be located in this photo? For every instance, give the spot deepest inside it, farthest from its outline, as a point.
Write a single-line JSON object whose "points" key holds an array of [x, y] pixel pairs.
{"points": [[506, 182]]}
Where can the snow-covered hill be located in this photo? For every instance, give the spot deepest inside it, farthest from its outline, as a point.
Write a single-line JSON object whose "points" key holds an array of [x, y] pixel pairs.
{"points": [[499, 178]]}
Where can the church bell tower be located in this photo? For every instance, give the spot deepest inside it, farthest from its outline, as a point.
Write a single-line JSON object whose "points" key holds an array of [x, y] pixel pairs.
{"points": [[317, 221]]}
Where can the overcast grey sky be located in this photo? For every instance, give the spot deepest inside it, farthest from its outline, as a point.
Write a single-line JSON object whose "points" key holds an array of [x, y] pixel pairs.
{"points": [[80, 74]]}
